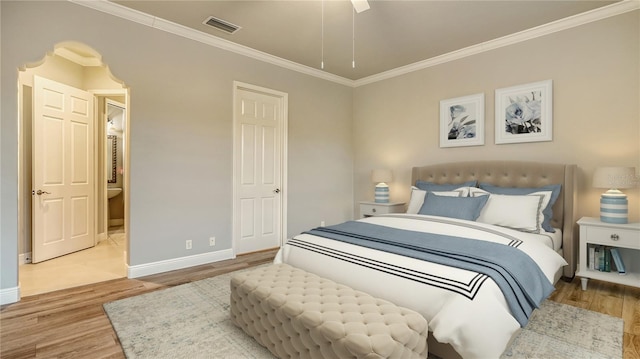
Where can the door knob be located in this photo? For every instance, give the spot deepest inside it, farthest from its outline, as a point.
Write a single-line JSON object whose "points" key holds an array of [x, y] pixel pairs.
{"points": [[40, 192], [277, 190]]}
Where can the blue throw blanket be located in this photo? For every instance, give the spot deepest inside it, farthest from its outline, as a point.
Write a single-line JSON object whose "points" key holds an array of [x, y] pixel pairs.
{"points": [[521, 280]]}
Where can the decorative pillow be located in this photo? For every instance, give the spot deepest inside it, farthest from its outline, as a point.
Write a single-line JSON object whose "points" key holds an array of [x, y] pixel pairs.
{"points": [[547, 211], [523, 213], [417, 197], [454, 207], [430, 186]]}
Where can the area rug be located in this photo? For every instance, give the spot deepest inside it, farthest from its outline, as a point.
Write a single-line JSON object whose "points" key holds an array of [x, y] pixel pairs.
{"points": [[192, 321], [561, 331]]}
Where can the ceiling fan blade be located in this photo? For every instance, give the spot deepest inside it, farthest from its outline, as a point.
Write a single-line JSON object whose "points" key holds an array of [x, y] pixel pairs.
{"points": [[360, 5]]}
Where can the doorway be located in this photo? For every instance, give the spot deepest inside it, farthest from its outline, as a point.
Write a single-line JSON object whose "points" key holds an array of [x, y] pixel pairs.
{"points": [[260, 168], [115, 119], [71, 66]]}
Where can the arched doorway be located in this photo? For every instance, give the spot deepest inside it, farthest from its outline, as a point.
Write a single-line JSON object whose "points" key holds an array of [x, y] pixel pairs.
{"points": [[67, 232]]}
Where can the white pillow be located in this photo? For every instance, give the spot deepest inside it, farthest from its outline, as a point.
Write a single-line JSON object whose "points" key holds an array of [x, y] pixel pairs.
{"points": [[463, 191], [417, 197], [523, 213]]}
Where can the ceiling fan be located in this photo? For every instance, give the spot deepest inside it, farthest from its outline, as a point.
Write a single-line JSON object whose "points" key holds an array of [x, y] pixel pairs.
{"points": [[360, 5]]}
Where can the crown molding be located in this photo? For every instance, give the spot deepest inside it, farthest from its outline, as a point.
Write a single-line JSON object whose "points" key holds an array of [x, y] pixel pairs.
{"points": [[189, 33], [535, 32]]}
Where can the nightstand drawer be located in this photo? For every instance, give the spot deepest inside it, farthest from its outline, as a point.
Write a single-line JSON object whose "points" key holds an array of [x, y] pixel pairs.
{"points": [[614, 237], [372, 210], [368, 209]]}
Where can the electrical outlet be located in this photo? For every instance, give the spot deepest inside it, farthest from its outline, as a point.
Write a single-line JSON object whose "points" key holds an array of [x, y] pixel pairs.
{"points": [[189, 244], [212, 241], [321, 223]]}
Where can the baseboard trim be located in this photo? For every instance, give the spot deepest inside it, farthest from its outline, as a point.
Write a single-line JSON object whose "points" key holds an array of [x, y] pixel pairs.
{"points": [[143, 270], [116, 222], [24, 258], [9, 295]]}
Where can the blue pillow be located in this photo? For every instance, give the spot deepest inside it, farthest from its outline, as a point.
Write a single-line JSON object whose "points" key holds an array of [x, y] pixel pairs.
{"points": [[430, 186], [468, 208], [547, 212]]}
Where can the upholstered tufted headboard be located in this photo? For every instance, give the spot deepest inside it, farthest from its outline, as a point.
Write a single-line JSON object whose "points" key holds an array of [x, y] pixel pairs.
{"points": [[518, 174]]}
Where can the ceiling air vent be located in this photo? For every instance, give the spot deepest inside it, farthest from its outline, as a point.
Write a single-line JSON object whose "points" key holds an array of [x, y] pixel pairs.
{"points": [[221, 25]]}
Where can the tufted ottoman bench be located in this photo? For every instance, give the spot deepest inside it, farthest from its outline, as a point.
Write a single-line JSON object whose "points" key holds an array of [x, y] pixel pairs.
{"points": [[296, 314]]}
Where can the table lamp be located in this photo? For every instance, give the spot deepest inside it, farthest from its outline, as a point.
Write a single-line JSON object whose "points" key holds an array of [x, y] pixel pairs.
{"points": [[382, 189], [614, 206]]}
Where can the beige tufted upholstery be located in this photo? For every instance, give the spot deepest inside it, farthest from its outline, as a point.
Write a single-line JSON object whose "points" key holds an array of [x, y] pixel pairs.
{"points": [[296, 314]]}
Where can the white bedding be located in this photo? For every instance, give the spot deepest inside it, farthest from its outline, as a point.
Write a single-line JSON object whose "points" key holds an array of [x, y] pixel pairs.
{"points": [[467, 311], [556, 239]]}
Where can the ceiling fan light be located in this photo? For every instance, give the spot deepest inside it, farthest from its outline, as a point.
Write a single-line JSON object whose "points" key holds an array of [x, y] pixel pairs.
{"points": [[360, 5]]}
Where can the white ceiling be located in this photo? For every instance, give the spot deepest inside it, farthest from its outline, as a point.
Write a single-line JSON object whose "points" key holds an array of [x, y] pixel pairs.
{"points": [[391, 34]]}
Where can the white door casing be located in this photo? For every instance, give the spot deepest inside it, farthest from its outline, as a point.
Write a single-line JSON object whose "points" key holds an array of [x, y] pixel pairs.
{"points": [[259, 205], [63, 155]]}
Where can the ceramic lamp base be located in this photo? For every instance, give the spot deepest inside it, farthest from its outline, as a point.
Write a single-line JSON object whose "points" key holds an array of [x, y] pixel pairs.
{"points": [[382, 193], [614, 209]]}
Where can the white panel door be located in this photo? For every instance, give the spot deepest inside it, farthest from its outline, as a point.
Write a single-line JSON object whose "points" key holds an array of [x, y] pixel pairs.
{"points": [[63, 157], [258, 160]]}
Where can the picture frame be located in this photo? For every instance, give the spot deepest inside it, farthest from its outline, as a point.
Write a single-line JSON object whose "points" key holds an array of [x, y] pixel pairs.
{"points": [[462, 121], [524, 113]]}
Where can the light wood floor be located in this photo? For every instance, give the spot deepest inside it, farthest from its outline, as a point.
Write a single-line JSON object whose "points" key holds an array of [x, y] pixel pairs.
{"points": [[103, 262], [71, 323]]}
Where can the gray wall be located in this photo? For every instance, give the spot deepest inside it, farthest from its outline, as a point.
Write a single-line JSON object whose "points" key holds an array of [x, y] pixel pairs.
{"points": [[181, 96], [181, 130], [595, 70]]}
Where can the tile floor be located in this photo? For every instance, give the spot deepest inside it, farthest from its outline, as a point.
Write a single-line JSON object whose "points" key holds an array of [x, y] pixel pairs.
{"points": [[103, 262]]}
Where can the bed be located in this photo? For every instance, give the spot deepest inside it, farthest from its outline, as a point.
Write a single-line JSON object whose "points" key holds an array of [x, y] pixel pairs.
{"points": [[470, 313]]}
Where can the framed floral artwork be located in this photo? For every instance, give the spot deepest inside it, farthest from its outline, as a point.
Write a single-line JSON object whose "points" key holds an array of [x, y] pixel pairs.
{"points": [[524, 113], [462, 121]]}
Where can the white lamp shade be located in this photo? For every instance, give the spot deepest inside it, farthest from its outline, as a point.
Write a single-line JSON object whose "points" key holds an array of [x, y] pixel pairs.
{"points": [[378, 176], [614, 177]]}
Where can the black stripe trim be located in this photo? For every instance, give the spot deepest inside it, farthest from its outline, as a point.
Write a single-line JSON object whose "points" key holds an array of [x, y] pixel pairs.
{"points": [[468, 290]]}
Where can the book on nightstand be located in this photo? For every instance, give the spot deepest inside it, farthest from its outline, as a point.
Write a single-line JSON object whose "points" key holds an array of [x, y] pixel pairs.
{"points": [[601, 258], [596, 258], [617, 260]]}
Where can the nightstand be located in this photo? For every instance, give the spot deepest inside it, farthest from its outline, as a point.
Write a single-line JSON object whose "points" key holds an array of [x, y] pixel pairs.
{"points": [[368, 209], [595, 234]]}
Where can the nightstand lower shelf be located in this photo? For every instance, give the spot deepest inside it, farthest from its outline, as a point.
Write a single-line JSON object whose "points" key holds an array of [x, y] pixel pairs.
{"points": [[630, 279]]}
